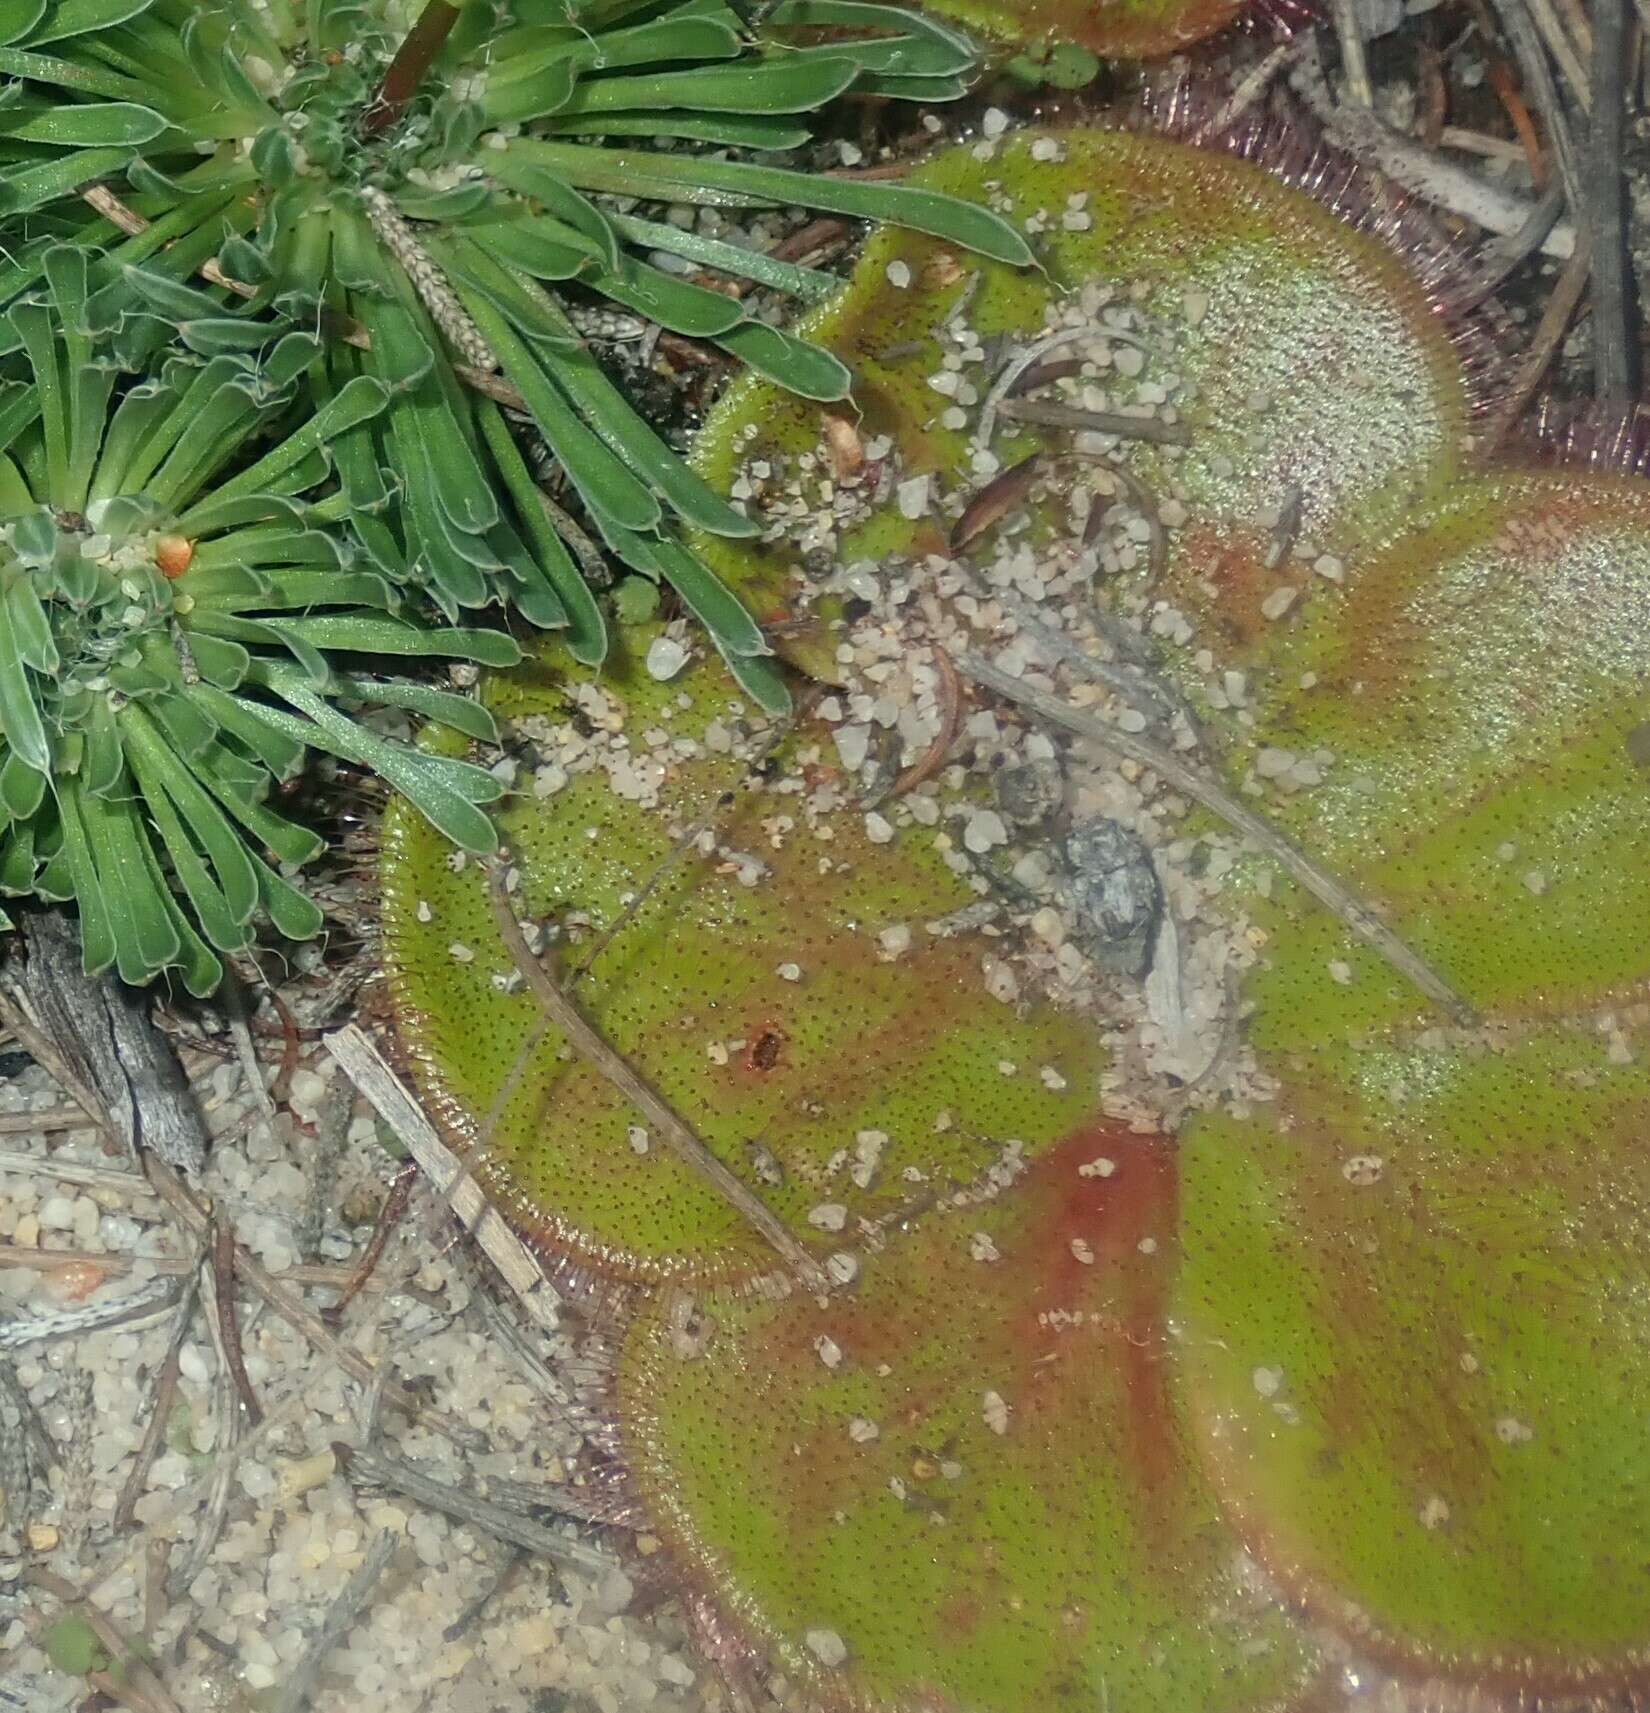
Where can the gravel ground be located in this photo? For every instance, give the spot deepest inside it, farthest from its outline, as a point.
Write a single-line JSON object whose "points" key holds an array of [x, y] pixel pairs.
{"points": [[80, 1234]]}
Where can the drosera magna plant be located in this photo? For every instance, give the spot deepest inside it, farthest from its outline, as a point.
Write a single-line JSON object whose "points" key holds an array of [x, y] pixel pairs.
{"points": [[1414, 1286], [1215, 353], [431, 184], [963, 1484], [175, 640], [806, 981]]}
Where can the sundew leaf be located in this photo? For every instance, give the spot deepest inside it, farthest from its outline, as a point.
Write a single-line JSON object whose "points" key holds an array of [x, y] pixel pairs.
{"points": [[747, 986], [1413, 1295], [1365, 414], [1113, 29], [963, 1483]]}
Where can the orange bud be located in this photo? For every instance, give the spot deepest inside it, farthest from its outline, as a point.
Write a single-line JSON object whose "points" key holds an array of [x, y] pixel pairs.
{"points": [[173, 553]]}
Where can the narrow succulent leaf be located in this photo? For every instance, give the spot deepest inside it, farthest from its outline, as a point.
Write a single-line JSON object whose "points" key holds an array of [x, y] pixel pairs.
{"points": [[812, 285], [462, 713], [514, 90], [359, 400], [729, 130], [546, 249], [31, 628], [90, 125], [22, 788], [433, 795], [225, 922], [796, 364], [366, 632], [174, 299], [210, 335], [35, 186], [220, 511], [19, 711], [83, 79], [279, 544], [19, 19], [291, 912], [291, 843], [66, 18], [19, 867], [540, 182], [145, 939], [280, 754], [586, 634], [735, 632], [793, 83], [696, 179], [896, 21], [302, 590], [762, 678], [218, 660], [599, 476], [34, 323], [458, 202], [200, 969], [103, 763], [692, 310], [97, 940], [15, 496], [518, 100]]}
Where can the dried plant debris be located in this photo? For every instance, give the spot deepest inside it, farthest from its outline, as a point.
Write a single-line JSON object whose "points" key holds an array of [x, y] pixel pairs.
{"points": [[964, 1484], [1285, 383], [1413, 1285], [825, 990]]}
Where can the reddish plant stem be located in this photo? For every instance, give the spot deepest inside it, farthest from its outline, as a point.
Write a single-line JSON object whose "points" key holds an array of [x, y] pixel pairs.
{"points": [[389, 1216], [223, 1280], [406, 71]]}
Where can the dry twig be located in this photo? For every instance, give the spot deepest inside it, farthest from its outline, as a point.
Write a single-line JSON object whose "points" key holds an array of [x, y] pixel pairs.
{"points": [[674, 1130], [1323, 886], [160, 1409], [346, 1607], [1606, 211]]}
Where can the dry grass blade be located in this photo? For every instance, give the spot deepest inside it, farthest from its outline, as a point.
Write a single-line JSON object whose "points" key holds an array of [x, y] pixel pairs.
{"points": [[166, 1386], [1562, 303], [364, 1065], [952, 701], [593, 1047], [1323, 886], [228, 1330], [346, 1607], [373, 1469], [1040, 413], [1614, 339]]}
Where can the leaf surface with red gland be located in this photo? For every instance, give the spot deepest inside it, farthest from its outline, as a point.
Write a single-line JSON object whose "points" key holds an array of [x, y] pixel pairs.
{"points": [[843, 1080], [962, 1484], [1305, 356], [1114, 29], [1417, 1340]]}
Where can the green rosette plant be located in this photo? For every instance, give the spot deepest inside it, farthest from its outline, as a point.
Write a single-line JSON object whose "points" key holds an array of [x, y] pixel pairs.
{"points": [[175, 640], [425, 191]]}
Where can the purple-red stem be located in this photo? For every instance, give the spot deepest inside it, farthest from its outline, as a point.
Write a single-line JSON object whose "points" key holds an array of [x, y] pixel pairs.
{"points": [[406, 70]]}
